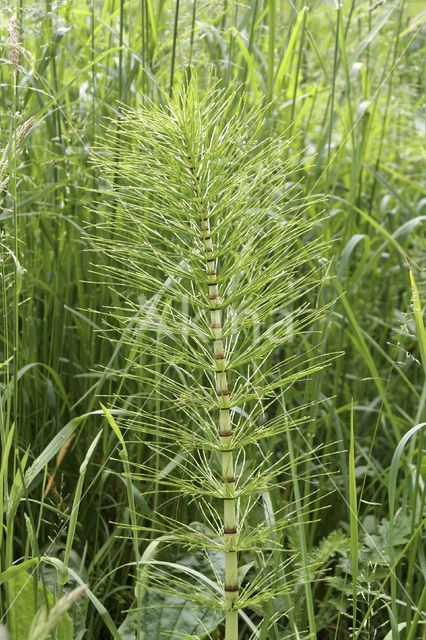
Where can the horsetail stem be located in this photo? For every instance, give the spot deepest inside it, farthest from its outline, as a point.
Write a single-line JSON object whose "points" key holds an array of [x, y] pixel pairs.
{"points": [[225, 426], [202, 206]]}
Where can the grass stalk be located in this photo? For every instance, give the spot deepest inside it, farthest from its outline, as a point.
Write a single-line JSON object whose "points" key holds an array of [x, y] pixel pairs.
{"points": [[353, 505], [13, 148], [272, 9], [307, 577], [174, 45]]}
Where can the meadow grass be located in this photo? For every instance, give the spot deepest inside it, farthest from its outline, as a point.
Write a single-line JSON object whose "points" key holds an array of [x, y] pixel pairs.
{"points": [[346, 84]]}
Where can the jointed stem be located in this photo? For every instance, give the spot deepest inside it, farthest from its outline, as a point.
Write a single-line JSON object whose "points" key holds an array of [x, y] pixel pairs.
{"points": [[225, 434], [225, 426]]}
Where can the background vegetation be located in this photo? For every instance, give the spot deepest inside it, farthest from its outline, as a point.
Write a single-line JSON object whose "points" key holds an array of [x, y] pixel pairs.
{"points": [[347, 84]]}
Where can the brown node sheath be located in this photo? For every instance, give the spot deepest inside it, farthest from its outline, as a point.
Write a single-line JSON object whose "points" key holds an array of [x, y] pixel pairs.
{"points": [[230, 531]]}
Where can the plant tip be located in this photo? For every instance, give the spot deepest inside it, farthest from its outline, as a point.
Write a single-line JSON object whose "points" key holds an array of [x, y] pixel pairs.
{"points": [[13, 44]]}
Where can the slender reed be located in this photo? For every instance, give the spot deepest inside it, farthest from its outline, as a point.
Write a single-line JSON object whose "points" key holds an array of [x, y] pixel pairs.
{"points": [[14, 63]]}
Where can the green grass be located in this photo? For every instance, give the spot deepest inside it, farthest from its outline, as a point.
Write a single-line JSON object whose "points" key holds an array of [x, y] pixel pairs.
{"points": [[348, 87]]}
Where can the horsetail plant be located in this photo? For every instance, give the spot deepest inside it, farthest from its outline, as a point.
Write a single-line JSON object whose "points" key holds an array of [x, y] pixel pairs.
{"points": [[213, 250]]}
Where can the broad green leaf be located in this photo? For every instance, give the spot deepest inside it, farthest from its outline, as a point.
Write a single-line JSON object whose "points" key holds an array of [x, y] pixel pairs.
{"points": [[175, 617], [13, 571], [164, 616], [94, 600], [23, 607]]}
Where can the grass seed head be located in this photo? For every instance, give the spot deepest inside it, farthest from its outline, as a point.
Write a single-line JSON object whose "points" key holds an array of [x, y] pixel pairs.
{"points": [[13, 44]]}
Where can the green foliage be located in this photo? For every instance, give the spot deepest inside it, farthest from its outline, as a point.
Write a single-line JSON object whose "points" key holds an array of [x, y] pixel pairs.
{"points": [[348, 90], [168, 616], [163, 615], [198, 198], [26, 596]]}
